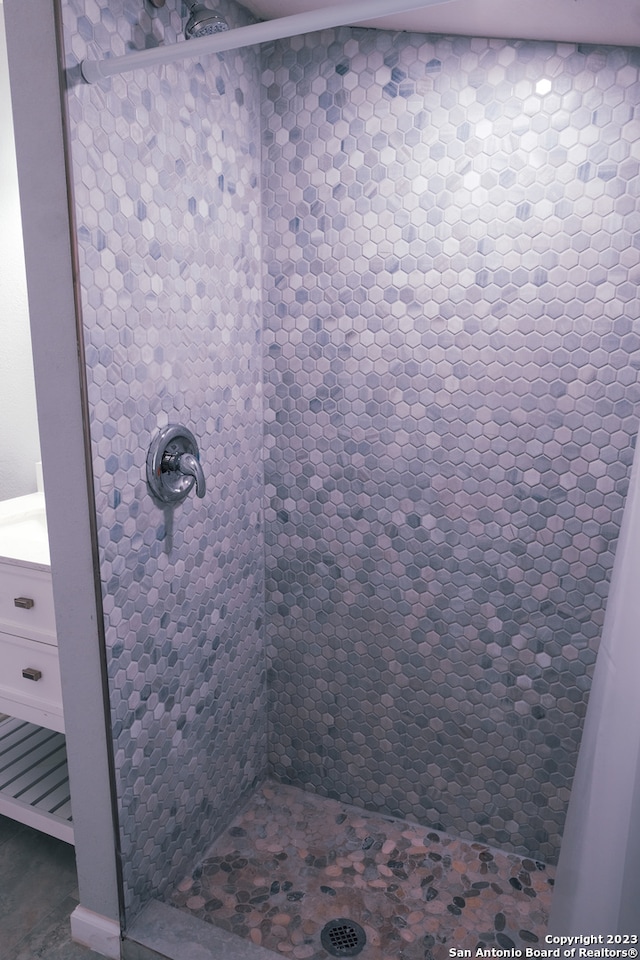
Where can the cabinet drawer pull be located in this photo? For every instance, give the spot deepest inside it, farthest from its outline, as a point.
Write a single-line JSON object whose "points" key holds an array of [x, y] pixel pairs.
{"points": [[25, 603], [30, 673]]}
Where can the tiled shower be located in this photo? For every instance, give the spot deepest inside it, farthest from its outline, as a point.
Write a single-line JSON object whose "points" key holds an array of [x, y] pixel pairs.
{"points": [[427, 263]]}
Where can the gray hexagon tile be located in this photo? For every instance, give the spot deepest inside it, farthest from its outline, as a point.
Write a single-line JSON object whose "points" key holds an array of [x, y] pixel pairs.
{"points": [[450, 267], [166, 182], [451, 317]]}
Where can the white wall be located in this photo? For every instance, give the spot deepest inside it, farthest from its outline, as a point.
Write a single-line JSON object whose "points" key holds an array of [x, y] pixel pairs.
{"points": [[568, 21], [18, 422]]}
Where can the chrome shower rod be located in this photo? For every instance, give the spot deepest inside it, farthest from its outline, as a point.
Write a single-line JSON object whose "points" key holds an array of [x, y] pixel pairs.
{"points": [[337, 15]]}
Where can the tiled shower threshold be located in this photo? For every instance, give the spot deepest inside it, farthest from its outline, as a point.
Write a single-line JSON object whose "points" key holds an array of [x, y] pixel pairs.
{"points": [[162, 932], [292, 861]]}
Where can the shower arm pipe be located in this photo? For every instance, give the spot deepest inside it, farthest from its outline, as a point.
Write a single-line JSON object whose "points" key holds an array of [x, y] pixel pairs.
{"points": [[337, 15]]}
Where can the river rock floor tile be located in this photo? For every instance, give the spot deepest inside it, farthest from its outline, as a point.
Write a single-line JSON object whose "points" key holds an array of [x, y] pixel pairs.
{"points": [[292, 861]]}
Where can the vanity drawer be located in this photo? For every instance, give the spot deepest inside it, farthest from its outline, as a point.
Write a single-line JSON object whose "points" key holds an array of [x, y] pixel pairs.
{"points": [[38, 700], [32, 615]]}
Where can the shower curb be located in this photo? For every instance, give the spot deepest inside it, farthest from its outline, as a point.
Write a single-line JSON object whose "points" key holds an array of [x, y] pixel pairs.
{"points": [[161, 932]]}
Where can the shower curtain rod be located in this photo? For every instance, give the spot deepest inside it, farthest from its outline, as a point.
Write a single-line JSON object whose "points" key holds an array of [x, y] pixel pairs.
{"points": [[337, 15]]}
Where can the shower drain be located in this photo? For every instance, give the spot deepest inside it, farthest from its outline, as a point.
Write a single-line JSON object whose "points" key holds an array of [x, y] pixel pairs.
{"points": [[343, 938]]}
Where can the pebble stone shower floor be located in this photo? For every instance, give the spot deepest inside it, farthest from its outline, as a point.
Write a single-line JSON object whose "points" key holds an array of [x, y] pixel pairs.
{"points": [[292, 861]]}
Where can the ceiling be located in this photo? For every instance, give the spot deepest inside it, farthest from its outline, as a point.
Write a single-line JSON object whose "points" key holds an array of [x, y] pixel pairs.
{"points": [[575, 21]]}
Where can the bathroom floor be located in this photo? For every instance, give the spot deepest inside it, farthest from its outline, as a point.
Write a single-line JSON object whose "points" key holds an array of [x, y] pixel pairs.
{"points": [[292, 861], [38, 892]]}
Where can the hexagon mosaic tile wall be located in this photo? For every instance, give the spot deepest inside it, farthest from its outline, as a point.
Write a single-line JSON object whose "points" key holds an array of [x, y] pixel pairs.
{"points": [[451, 316], [166, 187], [451, 320]]}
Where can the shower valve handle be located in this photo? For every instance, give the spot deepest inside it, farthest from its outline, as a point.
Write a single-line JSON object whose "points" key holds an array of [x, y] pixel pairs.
{"points": [[173, 465], [188, 466]]}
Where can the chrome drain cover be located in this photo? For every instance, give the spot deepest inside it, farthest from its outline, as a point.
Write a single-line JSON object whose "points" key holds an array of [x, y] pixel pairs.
{"points": [[343, 938]]}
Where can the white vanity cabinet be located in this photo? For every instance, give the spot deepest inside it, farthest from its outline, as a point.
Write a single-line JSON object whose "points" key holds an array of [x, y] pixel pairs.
{"points": [[34, 782], [29, 670]]}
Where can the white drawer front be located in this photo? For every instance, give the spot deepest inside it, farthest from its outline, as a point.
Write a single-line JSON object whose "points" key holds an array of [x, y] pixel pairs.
{"points": [[40, 697], [33, 615]]}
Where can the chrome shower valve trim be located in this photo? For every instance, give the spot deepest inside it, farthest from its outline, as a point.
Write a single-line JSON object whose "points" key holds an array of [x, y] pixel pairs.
{"points": [[173, 465]]}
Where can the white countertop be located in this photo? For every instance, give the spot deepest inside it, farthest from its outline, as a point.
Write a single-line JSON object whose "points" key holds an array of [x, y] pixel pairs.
{"points": [[23, 531]]}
